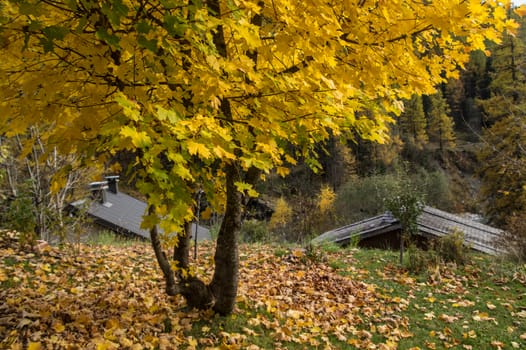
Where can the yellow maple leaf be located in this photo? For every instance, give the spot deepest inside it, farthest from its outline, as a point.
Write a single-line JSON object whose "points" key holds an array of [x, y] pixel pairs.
{"points": [[497, 344], [3, 275], [34, 346], [222, 153], [482, 316], [199, 149], [282, 171], [112, 323], [295, 314], [521, 10], [59, 327], [138, 138], [192, 342]]}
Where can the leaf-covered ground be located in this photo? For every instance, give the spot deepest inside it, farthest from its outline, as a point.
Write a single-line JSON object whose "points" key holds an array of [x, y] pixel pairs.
{"points": [[109, 297]]}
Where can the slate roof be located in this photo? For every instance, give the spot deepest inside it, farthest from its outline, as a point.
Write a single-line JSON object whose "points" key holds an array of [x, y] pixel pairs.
{"points": [[432, 223], [123, 213]]}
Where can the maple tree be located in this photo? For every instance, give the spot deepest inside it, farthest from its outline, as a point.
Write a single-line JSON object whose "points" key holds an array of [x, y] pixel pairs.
{"points": [[214, 95]]}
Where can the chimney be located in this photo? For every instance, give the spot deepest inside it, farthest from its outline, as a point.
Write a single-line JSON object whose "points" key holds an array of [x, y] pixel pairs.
{"points": [[113, 183], [98, 191]]}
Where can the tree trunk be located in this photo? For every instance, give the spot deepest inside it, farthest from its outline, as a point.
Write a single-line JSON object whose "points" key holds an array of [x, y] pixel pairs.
{"points": [[164, 264], [169, 277], [221, 294], [196, 293], [182, 249], [401, 248], [225, 280]]}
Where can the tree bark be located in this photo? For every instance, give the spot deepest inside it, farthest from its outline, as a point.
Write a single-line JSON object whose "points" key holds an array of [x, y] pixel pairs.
{"points": [[225, 281], [196, 293], [182, 249]]}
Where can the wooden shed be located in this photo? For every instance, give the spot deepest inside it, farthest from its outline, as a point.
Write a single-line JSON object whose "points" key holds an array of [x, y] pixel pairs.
{"points": [[382, 231]]}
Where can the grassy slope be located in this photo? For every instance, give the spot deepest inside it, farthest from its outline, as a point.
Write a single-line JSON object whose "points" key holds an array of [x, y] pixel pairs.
{"points": [[105, 297]]}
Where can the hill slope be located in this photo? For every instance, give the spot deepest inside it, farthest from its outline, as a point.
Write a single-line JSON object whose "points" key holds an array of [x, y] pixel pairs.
{"points": [[107, 297]]}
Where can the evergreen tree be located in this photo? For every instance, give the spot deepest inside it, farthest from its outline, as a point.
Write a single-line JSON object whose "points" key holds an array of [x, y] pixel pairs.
{"points": [[413, 122], [455, 95], [503, 164], [503, 155], [441, 125], [462, 93]]}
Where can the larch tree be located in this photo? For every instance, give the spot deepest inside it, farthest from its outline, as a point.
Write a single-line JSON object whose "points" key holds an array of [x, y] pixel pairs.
{"points": [[503, 153], [441, 126], [413, 122], [214, 95]]}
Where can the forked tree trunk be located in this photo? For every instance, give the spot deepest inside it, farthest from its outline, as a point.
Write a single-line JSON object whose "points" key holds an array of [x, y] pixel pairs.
{"points": [[220, 294]]}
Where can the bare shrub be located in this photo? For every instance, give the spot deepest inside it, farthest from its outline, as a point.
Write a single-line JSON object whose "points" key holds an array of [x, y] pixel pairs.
{"points": [[514, 239]]}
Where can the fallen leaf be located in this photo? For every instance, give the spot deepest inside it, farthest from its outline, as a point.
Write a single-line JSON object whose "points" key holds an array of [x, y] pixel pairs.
{"points": [[59, 327], [447, 318], [482, 316], [34, 346], [497, 344], [429, 315]]}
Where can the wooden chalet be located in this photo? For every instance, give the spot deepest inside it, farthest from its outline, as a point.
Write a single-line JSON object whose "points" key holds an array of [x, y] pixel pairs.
{"points": [[119, 212]]}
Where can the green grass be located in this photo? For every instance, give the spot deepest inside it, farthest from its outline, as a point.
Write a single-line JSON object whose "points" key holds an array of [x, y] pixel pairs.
{"points": [[480, 304], [108, 238]]}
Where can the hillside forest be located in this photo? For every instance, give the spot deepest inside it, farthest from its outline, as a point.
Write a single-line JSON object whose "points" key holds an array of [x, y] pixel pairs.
{"points": [[460, 149], [264, 128]]}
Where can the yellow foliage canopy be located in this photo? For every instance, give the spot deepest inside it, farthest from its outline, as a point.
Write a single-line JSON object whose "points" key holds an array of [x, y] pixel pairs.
{"points": [[148, 77]]}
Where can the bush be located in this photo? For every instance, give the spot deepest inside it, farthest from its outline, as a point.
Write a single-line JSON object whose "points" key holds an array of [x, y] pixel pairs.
{"points": [[514, 239], [446, 249], [435, 186], [17, 214], [451, 248], [361, 198], [419, 260], [281, 217], [254, 231]]}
